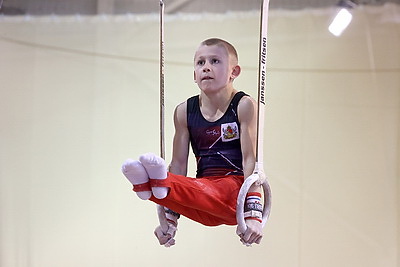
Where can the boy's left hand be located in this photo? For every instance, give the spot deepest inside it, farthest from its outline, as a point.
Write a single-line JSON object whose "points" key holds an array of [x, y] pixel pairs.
{"points": [[166, 239], [253, 233]]}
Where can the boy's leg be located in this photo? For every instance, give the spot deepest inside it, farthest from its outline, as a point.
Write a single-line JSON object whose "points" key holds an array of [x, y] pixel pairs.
{"points": [[209, 201], [147, 176], [157, 171], [137, 175]]}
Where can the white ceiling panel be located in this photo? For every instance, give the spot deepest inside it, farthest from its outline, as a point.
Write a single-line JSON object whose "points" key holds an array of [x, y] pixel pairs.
{"points": [[93, 7]]}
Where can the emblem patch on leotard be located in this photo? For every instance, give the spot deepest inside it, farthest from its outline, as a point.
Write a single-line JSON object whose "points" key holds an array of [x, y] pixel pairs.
{"points": [[229, 131]]}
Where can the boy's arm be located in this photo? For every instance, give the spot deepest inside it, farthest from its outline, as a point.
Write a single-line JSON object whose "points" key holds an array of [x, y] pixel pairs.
{"points": [[247, 114], [180, 149], [180, 152]]}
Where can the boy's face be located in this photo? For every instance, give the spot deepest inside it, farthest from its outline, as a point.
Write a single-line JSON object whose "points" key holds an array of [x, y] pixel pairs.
{"points": [[213, 68]]}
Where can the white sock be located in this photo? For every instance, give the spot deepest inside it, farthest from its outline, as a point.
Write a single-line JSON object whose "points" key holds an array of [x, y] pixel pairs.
{"points": [[156, 169], [136, 174]]}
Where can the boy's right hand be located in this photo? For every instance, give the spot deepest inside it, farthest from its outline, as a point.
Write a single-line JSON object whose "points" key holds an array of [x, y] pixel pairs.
{"points": [[166, 239]]}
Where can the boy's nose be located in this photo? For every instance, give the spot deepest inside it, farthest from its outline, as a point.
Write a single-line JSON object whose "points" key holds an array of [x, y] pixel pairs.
{"points": [[206, 68]]}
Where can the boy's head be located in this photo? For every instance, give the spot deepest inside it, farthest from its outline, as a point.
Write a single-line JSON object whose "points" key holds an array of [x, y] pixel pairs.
{"points": [[215, 64]]}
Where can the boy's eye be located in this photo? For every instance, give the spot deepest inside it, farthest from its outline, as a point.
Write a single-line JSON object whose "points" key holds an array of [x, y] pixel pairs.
{"points": [[202, 62]]}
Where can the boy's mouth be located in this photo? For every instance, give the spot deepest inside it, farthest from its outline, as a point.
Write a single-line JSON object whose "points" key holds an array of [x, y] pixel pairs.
{"points": [[206, 78]]}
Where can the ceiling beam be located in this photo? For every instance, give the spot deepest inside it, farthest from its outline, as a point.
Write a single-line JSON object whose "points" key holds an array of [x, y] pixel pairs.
{"points": [[176, 5], [105, 6]]}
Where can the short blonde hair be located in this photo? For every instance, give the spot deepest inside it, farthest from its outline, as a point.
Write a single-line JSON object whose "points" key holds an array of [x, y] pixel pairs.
{"points": [[219, 42]]}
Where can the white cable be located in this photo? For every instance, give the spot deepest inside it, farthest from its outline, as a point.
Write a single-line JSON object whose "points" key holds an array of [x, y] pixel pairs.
{"points": [[162, 138], [160, 209], [258, 175]]}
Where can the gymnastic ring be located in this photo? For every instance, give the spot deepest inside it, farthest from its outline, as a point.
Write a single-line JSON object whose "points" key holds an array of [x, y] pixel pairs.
{"points": [[249, 181], [162, 218]]}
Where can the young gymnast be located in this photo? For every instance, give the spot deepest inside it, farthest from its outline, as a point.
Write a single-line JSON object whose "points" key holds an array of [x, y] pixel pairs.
{"points": [[220, 125]]}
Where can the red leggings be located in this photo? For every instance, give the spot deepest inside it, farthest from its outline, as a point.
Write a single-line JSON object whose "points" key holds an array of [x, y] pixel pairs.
{"points": [[210, 201]]}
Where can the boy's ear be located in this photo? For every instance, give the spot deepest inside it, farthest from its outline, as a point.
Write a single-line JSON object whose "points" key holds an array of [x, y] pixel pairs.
{"points": [[235, 72], [194, 76]]}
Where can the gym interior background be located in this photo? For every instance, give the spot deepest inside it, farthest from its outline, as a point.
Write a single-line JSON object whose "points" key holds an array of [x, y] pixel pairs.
{"points": [[80, 94]]}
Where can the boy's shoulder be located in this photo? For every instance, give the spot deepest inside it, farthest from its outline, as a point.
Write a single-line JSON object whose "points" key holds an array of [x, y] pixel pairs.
{"points": [[247, 102]]}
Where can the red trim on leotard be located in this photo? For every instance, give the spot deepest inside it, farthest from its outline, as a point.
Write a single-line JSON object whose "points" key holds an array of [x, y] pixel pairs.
{"points": [[159, 182], [142, 187]]}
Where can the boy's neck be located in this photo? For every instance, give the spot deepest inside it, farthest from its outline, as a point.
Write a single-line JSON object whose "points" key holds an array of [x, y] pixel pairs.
{"points": [[214, 106]]}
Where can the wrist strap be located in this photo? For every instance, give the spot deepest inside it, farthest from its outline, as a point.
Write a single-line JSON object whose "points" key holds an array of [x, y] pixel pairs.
{"points": [[253, 214], [169, 211], [172, 222], [253, 208], [252, 218]]}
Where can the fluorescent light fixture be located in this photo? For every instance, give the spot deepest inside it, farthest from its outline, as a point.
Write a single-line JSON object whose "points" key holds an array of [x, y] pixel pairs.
{"points": [[343, 17], [340, 22]]}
